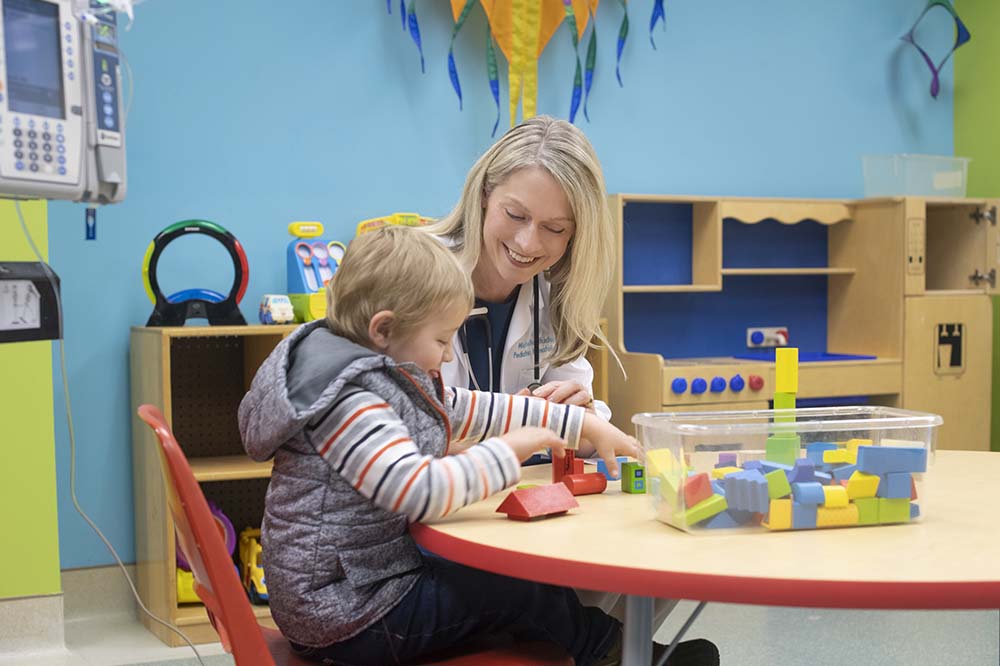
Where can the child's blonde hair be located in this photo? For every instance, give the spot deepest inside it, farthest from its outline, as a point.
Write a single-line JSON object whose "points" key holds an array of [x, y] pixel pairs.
{"points": [[398, 269], [581, 279]]}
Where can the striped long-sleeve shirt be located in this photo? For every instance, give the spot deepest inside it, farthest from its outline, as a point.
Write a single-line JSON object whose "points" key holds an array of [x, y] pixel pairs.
{"points": [[366, 442]]}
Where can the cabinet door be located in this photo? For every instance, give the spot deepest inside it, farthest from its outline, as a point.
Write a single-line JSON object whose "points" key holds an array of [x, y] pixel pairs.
{"points": [[947, 365], [992, 213]]}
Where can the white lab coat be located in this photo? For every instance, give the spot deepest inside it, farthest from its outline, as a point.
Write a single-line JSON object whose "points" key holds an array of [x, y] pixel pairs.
{"points": [[517, 364]]}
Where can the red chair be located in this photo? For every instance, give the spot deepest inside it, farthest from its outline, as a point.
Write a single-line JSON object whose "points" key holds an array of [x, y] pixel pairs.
{"points": [[220, 589]]}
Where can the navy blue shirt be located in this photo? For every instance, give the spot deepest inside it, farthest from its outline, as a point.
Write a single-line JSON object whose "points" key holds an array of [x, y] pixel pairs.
{"points": [[497, 318]]}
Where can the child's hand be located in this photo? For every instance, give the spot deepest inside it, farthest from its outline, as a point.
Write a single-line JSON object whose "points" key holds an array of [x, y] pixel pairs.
{"points": [[609, 441], [526, 441], [564, 393]]}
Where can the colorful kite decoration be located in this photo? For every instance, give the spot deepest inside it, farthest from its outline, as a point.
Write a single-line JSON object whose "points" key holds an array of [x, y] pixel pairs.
{"points": [[961, 37], [522, 29]]}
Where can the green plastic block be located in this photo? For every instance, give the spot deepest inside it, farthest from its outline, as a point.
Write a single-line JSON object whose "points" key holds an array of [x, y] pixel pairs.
{"points": [[702, 510], [777, 484], [633, 478], [894, 510], [784, 401], [868, 510], [782, 449]]}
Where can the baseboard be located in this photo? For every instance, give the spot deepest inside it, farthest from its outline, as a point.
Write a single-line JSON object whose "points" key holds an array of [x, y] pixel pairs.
{"points": [[31, 624], [97, 592]]}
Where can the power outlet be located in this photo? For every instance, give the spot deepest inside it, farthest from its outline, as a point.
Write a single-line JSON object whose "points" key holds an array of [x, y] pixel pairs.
{"points": [[767, 336]]}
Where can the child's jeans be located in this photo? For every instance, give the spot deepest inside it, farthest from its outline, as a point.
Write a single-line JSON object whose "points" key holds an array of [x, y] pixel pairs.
{"points": [[451, 604]]}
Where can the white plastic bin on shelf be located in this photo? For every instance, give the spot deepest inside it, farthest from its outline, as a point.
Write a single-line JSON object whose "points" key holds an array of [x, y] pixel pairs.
{"points": [[915, 175], [787, 469]]}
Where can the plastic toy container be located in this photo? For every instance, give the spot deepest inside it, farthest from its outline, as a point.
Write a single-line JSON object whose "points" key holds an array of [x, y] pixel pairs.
{"points": [[787, 469], [915, 175]]}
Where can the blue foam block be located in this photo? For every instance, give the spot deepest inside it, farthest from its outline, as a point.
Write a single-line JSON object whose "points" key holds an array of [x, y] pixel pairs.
{"points": [[603, 468], [810, 492], [718, 487], [814, 451], [752, 464], [884, 459], [803, 472], [894, 485], [914, 510], [843, 473], [803, 516], [766, 466], [720, 521]]}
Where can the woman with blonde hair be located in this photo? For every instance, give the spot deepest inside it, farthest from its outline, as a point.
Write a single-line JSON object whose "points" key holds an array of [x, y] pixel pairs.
{"points": [[533, 228]]}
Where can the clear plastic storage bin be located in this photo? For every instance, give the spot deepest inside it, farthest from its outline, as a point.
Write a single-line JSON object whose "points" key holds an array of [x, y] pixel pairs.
{"points": [[787, 469], [915, 175]]}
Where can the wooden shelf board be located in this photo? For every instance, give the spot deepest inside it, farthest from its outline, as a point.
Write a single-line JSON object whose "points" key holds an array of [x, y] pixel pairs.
{"points": [[193, 614], [668, 288], [215, 331], [788, 271], [229, 468]]}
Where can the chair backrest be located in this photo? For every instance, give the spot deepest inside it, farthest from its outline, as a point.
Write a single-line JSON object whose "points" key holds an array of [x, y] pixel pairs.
{"points": [[216, 579]]}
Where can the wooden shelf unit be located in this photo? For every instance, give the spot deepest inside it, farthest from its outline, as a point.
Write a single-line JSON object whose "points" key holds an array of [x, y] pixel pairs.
{"points": [[197, 376], [894, 268]]}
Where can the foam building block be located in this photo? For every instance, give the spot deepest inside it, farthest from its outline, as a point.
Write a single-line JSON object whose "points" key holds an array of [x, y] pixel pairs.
{"points": [[803, 516], [767, 466], [540, 501], [862, 485], [841, 516], [893, 510], [752, 464], [697, 488], [802, 472], [882, 459], [837, 457], [810, 492], [914, 511], [777, 484], [835, 497], [867, 510], [727, 459], [699, 512], [895, 485], [633, 478], [814, 451], [786, 370], [721, 472], [747, 491], [779, 515], [782, 449], [844, 472], [591, 483]]}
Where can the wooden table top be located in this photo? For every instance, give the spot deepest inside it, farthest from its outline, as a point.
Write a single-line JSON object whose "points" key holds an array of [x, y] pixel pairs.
{"points": [[612, 542]]}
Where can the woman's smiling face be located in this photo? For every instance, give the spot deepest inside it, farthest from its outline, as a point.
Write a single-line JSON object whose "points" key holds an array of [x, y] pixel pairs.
{"points": [[527, 228]]}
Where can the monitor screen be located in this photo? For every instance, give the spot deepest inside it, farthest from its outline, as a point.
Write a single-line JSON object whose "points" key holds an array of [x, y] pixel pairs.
{"points": [[34, 61]]}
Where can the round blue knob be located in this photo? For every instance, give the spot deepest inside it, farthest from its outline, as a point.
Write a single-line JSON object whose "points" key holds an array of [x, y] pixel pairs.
{"points": [[757, 337], [736, 383], [679, 385], [718, 385], [698, 385]]}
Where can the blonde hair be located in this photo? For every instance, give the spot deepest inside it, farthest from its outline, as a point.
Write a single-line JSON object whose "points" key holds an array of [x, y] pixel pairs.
{"points": [[581, 278], [397, 269]]}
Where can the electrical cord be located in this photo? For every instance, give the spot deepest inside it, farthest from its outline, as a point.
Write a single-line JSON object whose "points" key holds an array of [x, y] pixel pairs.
{"points": [[72, 442]]}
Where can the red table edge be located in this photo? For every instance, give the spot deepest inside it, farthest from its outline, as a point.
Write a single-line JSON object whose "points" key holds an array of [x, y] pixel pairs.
{"points": [[931, 595]]}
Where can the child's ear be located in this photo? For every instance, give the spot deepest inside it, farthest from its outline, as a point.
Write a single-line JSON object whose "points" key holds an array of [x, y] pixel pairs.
{"points": [[380, 328]]}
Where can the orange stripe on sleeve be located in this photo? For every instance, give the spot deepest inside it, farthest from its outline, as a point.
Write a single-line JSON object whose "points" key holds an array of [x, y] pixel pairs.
{"points": [[329, 442], [409, 483], [472, 411], [451, 487], [545, 414], [510, 409], [375, 457]]}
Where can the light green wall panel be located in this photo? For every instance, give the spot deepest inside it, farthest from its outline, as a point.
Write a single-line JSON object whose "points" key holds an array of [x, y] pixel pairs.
{"points": [[977, 130], [29, 557]]}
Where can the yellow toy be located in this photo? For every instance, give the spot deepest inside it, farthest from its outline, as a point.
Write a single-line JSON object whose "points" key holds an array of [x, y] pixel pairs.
{"points": [[401, 219], [252, 566], [185, 588]]}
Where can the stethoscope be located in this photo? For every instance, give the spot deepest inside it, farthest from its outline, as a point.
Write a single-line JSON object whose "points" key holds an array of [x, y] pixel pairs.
{"points": [[481, 315]]}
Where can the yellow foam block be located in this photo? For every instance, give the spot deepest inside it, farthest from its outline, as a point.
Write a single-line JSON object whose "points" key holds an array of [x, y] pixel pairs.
{"points": [[779, 515], [720, 472], [835, 496], [661, 461], [862, 485], [836, 517], [786, 370], [834, 456]]}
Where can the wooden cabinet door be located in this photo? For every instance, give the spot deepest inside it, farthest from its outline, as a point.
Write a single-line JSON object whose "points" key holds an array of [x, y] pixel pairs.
{"points": [[947, 365]]}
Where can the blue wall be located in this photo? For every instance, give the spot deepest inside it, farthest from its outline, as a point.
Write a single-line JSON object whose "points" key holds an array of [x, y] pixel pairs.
{"points": [[254, 117]]}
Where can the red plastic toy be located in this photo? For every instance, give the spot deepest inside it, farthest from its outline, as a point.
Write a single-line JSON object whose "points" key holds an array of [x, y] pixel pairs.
{"points": [[529, 503], [586, 484]]}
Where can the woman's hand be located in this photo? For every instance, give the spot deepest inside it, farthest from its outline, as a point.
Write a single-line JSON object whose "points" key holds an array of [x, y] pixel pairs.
{"points": [[563, 393], [609, 441], [528, 440]]}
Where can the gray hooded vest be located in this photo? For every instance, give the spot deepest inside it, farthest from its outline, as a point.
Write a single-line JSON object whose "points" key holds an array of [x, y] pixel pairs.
{"points": [[335, 562]]}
